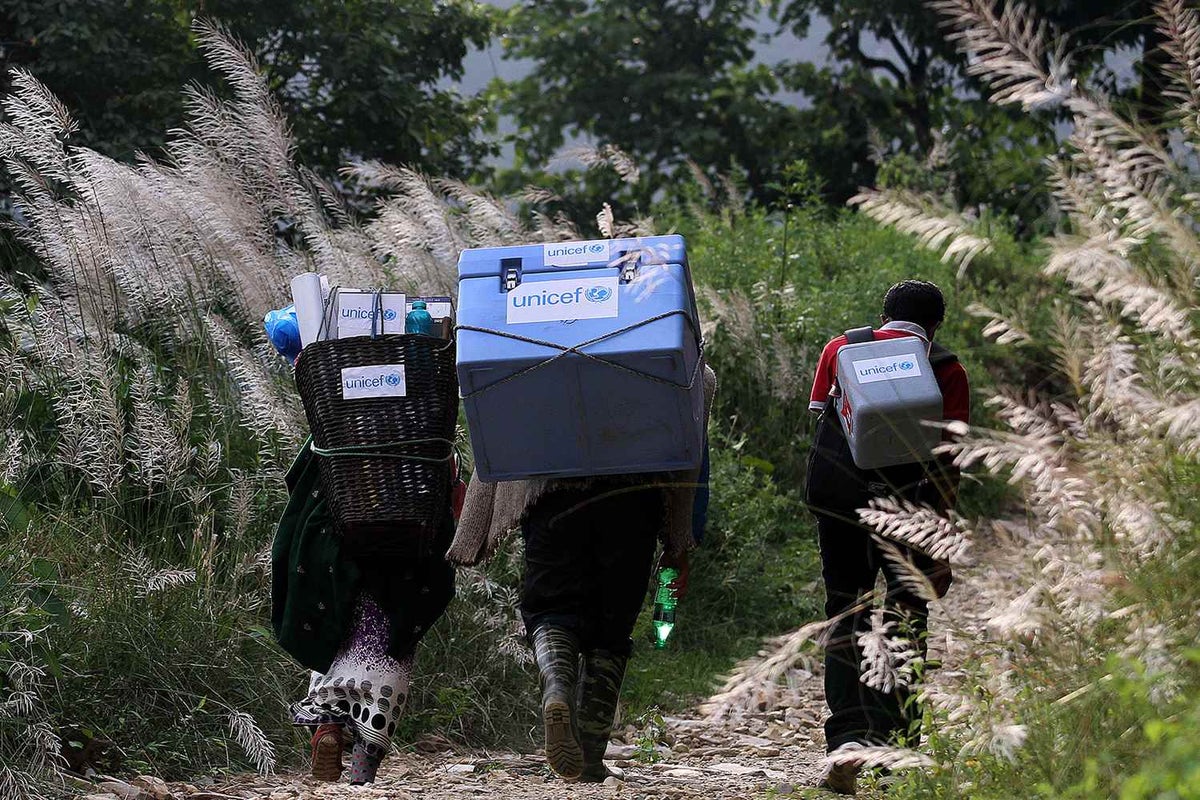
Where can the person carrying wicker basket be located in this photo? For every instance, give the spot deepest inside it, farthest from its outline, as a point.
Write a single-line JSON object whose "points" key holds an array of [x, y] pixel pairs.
{"points": [[589, 551], [354, 618]]}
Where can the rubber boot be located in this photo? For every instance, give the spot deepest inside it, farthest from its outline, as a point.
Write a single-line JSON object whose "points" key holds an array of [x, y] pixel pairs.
{"points": [[557, 653], [599, 691]]}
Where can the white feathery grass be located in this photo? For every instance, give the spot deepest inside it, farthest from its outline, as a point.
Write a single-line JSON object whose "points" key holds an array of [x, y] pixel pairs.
{"points": [[943, 538], [754, 683], [888, 658], [937, 228], [253, 741], [1179, 25], [1012, 50]]}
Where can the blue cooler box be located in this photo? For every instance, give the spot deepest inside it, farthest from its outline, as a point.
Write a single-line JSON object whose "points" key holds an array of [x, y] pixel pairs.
{"points": [[580, 358]]}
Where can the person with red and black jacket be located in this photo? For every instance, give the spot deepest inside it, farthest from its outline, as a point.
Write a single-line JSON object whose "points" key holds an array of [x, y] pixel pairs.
{"points": [[850, 557]]}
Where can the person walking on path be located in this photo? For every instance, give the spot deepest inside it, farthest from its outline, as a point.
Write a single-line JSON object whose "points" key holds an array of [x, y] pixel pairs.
{"points": [[589, 552], [354, 616], [850, 557]]}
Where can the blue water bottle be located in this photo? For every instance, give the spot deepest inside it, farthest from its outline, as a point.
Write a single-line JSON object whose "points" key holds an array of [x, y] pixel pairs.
{"points": [[418, 320]]}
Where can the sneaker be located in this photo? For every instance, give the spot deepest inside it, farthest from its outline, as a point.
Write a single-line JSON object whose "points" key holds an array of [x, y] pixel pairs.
{"points": [[327, 753], [842, 777]]}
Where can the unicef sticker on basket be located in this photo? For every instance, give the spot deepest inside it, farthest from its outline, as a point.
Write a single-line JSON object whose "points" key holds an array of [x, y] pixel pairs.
{"points": [[575, 298], [357, 313], [377, 380]]}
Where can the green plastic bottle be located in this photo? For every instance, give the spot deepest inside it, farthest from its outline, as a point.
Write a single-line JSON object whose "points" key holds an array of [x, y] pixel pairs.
{"points": [[664, 606], [418, 320]]}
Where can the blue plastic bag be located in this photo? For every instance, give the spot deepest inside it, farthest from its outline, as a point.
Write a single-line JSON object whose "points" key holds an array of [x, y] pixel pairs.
{"points": [[283, 329]]}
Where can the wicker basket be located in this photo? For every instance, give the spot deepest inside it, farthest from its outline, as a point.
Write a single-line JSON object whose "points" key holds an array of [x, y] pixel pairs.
{"points": [[385, 461]]}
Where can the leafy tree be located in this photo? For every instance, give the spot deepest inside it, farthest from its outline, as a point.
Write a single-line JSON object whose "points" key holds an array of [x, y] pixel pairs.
{"points": [[360, 77], [117, 64], [663, 80], [356, 78], [894, 68]]}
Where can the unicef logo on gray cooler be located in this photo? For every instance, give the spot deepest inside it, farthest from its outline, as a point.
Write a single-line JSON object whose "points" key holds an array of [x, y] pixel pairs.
{"points": [[888, 368]]}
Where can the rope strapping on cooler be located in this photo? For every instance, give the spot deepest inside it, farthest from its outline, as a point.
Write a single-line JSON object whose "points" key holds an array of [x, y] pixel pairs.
{"points": [[578, 350]]}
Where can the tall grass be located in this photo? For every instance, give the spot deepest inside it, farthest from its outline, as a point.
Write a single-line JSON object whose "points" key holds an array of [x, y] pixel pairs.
{"points": [[146, 426], [1082, 678]]}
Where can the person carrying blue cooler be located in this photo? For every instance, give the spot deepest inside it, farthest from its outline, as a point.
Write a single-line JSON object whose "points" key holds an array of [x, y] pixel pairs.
{"points": [[589, 553]]}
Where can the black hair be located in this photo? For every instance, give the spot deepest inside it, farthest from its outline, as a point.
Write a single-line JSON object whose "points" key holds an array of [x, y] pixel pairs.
{"points": [[915, 301]]}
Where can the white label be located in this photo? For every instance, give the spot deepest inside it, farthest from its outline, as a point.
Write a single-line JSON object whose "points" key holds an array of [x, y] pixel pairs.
{"points": [[551, 301], [575, 254], [378, 380], [890, 368], [356, 311]]}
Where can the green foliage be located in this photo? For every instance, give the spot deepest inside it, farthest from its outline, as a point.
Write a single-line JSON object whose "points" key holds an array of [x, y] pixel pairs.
{"points": [[664, 81], [898, 84], [358, 79], [770, 312], [751, 578]]}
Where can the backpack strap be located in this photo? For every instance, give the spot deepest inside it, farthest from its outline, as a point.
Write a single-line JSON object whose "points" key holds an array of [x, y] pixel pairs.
{"points": [[860, 335], [939, 355]]}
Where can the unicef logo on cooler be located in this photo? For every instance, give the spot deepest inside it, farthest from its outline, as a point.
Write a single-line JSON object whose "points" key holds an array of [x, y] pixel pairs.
{"points": [[393, 379], [598, 294], [906, 365], [389, 314], [597, 248]]}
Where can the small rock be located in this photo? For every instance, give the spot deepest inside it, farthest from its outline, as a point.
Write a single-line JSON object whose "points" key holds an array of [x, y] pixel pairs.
{"points": [[105, 796], [735, 769], [460, 769], [683, 772], [612, 782], [124, 790], [156, 787], [619, 751], [784, 788]]}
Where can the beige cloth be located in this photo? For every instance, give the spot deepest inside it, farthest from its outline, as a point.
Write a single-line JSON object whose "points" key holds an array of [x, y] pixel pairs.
{"points": [[492, 510]]}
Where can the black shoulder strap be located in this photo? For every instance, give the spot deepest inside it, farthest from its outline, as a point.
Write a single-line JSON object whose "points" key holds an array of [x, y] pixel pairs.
{"points": [[860, 335], [939, 355]]}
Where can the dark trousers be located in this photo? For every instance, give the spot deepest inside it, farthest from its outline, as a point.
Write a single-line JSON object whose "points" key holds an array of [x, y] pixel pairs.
{"points": [[850, 562], [588, 556]]}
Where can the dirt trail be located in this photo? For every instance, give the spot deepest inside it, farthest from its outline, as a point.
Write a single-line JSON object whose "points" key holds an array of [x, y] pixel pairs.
{"points": [[758, 754]]}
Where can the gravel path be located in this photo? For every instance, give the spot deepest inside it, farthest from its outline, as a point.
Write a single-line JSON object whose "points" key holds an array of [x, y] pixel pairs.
{"points": [[761, 754]]}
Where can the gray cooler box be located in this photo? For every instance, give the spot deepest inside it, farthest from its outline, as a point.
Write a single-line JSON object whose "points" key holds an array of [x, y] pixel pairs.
{"points": [[889, 397]]}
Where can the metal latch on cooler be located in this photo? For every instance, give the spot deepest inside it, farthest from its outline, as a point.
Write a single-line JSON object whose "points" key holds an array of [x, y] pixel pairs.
{"points": [[629, 263], [510, 274]]}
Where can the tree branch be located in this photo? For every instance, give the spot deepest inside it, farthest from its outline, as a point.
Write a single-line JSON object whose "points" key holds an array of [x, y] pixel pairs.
{"points": [[877, 63], [900, 50]]}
